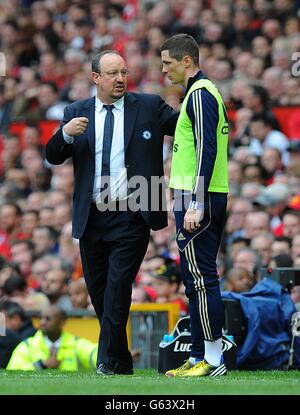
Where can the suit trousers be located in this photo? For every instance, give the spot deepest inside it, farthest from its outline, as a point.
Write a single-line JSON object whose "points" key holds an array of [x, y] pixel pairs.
{"points": [[112, 248]]}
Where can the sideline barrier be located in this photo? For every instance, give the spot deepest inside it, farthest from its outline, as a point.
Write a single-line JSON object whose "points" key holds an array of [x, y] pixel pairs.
{"points": [[146, 326]]}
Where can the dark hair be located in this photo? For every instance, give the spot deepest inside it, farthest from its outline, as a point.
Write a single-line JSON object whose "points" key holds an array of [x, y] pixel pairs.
{"points": [[283, 239], [28, 242], [96, 59], [181, 45], [13, 283], [53, 234], [3, 262], [256, 164], [283, 260], [33, 124], [31, 212], [240, 239], [264, 118], [84, 22], [9, 136], [13, 309], [291, 212], [262, 93], [51, 85], [12, 23], [17, 208]]}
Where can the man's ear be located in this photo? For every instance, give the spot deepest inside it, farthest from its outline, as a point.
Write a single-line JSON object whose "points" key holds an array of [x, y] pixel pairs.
{"points": [[95, 77], [187, 60]]}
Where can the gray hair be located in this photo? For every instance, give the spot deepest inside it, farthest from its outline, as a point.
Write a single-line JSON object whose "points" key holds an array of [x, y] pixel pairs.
{"points": [[96, 59]]}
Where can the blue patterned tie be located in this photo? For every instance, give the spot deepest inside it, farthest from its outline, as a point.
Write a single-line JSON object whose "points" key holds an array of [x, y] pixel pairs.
{"points": [[107, 140]]}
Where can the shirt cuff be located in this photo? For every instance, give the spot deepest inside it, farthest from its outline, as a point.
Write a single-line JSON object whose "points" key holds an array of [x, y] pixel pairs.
{"points": [[40, 365], [69, 139], [196, 205]]}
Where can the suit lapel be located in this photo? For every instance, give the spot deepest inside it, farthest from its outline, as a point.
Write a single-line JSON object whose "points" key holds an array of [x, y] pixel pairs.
{"points": [[89, 112], [130, 113]]}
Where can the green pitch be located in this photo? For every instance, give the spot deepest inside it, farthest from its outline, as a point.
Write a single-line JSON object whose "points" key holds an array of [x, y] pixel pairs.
{"points": [[148, 382]]}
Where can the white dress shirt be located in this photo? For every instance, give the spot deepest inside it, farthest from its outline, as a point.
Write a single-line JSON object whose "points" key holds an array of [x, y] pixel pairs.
{"points": [[55, 345], [118, 172]]}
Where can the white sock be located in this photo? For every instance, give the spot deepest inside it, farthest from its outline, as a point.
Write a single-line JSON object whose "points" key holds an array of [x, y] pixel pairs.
{"points": [[194, 360], [213, 352]]}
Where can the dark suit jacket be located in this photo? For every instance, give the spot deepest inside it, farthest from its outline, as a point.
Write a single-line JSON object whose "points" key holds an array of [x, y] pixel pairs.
{"points": [[147, 118], [8, 343]]}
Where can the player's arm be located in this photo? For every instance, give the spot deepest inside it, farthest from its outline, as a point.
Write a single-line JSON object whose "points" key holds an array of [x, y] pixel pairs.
{"points": [[202, 109]]}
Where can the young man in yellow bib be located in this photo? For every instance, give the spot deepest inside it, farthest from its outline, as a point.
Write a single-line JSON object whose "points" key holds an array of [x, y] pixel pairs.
{"points": [[200, 181]]}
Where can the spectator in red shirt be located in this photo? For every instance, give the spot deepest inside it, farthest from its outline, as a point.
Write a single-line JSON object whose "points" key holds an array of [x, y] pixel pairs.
{"points": [[10, 230]]}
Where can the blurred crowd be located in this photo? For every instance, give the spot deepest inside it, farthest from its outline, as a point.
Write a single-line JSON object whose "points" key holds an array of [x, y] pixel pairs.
{"points": [[246, 49]]}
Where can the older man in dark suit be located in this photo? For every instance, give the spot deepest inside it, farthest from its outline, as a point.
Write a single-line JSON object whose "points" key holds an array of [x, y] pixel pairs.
{"points": [[116, 141]]}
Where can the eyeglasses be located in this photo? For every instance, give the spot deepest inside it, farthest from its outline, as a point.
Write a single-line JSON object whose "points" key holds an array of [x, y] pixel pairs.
{"points": [[114, 74]]}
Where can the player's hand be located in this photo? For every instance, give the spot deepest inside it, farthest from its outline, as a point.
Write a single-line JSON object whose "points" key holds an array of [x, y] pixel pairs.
{"points": [[192, 219], [52, 362], [76, 126]]}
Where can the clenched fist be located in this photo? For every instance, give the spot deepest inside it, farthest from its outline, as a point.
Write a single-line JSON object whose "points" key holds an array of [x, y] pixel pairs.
{"points": [[76, 126]]}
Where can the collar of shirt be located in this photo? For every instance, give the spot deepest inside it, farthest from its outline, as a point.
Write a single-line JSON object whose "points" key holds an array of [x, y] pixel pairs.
{"points": [[192, 80], [51, 343], [119, 104]]}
